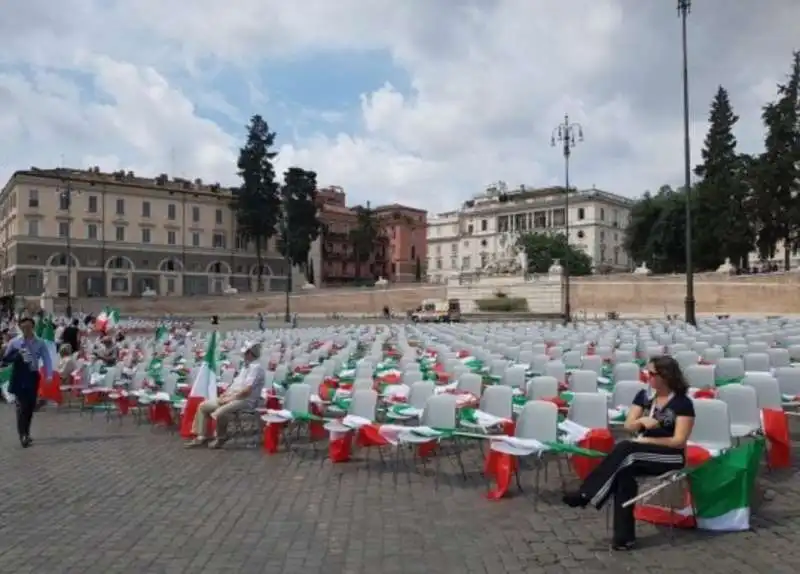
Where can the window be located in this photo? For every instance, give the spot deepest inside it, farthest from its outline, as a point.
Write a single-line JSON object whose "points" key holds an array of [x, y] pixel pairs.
{"points": [[484, 224], [454, 248], [171, 238], [91, 231], [119, 263], [171, 212], [33, 282], [470, 229], [146, 209], [413, 252], [218, 240], [33, 198], [439, 263], [120, 233], [602, 214], [454, 263], [170, 286], [521, 221], [581, 213], [119, 284], [559, 217], [218, 217], [465, 263], [484, 259], [503, 224], [241, 243], [195, 214], [63, 200], [169, 265], [195, 239], [63, 228], [581, 235], [33, 227], [484, 243], [120, 207], [92, 207], [539, 219], [438, 250], [145, 235], [62, 282]]}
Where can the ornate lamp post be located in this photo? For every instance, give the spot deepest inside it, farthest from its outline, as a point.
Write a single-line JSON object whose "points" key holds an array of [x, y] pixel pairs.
{"points": [[66, 195], [567, 135], [684, 7]]}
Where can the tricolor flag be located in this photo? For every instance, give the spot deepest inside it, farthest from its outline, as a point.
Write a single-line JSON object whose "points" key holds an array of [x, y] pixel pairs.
{"points": [[204, 387], [161, 335], [721, 485], [50, 389], [107, 320]]}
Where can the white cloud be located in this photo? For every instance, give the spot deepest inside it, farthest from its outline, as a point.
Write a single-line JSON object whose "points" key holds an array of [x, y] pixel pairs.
{"points": [[490, 80]]}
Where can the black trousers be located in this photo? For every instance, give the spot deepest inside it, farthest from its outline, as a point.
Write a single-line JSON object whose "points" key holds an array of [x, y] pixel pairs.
{"points": [[26, 405], [617, 474]]}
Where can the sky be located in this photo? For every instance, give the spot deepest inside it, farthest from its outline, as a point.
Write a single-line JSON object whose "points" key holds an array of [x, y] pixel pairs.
{"points": [[422, 102]]}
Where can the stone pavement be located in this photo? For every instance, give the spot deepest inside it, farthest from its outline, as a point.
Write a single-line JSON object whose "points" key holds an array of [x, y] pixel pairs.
{"points": [[101, 497]]}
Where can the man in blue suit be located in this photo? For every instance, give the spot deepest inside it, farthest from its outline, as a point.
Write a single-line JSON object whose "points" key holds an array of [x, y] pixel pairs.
{"points": [[24, 353]]}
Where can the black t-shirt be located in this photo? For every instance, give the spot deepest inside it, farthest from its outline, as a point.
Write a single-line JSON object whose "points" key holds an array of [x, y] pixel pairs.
{"points": [[70, 335], [678, 406]]}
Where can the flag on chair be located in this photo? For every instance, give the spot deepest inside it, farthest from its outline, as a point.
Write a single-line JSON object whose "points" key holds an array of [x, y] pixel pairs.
{"points": [[107, 320], [161, 335], [49, 389], [204, 387]]}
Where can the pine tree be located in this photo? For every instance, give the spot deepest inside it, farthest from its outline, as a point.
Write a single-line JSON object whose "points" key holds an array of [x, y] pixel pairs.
{"points": [[721, 223], [257, 201]]}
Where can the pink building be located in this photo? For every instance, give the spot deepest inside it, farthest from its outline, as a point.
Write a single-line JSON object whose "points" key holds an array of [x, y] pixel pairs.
{"points": [[406, 229]]}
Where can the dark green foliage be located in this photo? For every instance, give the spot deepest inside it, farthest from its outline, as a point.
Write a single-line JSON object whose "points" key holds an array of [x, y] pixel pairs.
{"points": [[300, 225], [257, 201], [542, 249], [364, 237]]}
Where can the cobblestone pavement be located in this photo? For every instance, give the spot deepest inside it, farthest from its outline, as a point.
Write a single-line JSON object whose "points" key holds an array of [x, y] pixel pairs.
{"points": [[102, 497]]}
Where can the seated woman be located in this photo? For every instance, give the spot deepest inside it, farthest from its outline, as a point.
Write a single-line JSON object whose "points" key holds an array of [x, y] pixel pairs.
{"points": [[67, 364], [663, 419]]}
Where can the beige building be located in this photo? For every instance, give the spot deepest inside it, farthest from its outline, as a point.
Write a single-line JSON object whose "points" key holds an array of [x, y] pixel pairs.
{"points": [[125, 235]]}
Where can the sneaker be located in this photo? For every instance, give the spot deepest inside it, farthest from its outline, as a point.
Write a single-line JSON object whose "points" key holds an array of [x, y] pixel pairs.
{"points": [[199, 441], [25, 441]]}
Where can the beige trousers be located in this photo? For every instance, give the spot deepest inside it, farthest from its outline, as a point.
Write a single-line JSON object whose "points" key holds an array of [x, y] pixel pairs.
{"points": [[221, 413]]}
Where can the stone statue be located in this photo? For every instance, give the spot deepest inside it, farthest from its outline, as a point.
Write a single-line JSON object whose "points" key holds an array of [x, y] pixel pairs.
{"points": [[47, 283], [522, 260]]}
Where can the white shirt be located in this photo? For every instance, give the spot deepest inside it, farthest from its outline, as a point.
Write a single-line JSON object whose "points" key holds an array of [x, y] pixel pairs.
{"points": [[253, 376]]}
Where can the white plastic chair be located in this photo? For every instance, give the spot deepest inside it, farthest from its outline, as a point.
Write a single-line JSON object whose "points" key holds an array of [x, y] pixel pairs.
{"points": [[712, 425], [743, 410]]}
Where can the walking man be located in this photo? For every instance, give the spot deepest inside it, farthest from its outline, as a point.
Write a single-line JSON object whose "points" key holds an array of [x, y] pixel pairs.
{"points": [[24, 354]]}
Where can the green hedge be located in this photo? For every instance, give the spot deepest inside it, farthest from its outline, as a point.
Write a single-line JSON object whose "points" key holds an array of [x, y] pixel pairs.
{"points": [[502, 305]]}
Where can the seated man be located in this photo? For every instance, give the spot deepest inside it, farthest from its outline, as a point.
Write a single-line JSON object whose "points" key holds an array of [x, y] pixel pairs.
{"points": [[243, 394]]}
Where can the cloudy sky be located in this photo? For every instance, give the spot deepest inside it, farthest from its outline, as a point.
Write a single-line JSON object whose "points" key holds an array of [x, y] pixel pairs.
{"points": [[420, 101]]}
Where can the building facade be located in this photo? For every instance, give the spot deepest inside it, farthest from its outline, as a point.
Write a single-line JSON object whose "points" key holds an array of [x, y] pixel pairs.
{"points": [[91, 233], [486, 227], [401, 240]]}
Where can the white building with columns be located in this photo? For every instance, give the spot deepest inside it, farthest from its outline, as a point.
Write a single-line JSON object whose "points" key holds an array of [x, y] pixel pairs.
{"points": [[485, 228]]}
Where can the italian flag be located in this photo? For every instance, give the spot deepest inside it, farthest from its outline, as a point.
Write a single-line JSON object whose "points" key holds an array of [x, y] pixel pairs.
{"points": [[721, 486], [107, 320], [161, 335], [595, 440], [204, 387], [49, 390]]}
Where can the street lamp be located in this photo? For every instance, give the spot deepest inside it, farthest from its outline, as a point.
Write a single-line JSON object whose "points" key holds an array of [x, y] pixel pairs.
{"points": [[66, 195], [567, 135], [684, 7]]}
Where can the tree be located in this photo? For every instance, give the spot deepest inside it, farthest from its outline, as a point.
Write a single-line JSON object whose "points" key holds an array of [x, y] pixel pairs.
{"points": [[775, 176], [300, 225], [364, 236], [418, 271], [542, 249], [257, 201], [723, 227], [656, 234]]}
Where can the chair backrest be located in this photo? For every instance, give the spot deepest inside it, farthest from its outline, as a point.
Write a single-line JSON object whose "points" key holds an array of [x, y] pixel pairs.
{"points": [[583, 381], [626, 372], [543, 387], [364, 404], [556, 369], [712, 424], [699, 376], [788, 380], [572, 359], [779, 358], [411, 376], [768, 391], [623, 356], [589, 410], [514, 376], [756, 362], [625, 392], [297, 398], [439, 412], [496, 401], [539, 363], [729, 368], [592, 363], [420, 392], [538, 420], [470, 383], [362, 384], [712, 355], [742, 404]]}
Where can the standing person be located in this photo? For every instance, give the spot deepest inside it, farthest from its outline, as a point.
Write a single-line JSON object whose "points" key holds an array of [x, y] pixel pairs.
{"points": [[24, 353], [261, 324], [663, 419], [71, 336]]}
